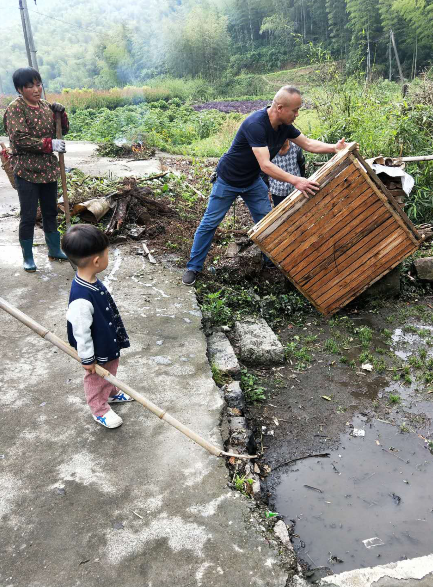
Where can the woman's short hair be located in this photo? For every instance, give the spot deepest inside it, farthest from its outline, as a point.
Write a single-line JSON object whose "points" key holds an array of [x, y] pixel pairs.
{"points": [[82, 241], [25, 75]]}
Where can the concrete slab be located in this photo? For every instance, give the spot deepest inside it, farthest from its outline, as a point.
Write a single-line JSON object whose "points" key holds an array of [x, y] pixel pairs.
{"points": [[417, 572], [139, 506]]}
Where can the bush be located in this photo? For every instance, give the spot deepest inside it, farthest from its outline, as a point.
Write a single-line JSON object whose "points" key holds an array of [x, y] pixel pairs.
{"points": [[164, 125]]}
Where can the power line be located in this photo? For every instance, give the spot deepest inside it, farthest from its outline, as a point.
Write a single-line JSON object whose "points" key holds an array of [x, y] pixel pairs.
{"points": [[64, 21]]}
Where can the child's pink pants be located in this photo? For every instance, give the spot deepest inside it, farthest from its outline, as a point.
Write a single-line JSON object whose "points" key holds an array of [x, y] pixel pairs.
{"points": [[98, 389]]}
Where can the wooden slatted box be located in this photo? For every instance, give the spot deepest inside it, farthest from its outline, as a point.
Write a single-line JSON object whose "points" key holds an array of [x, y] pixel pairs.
{"points": [[335, 244]]}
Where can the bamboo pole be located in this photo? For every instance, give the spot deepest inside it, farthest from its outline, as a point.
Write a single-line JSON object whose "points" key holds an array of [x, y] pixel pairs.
{"points": [[63, 171], [417, 158], [162, 414]]}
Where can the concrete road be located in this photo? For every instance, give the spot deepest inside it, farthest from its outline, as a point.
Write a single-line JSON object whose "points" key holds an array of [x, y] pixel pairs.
{"points": [[139, 506]]}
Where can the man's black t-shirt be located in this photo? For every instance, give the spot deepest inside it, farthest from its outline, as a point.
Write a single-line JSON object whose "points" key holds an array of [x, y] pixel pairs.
{"points": [[239, 166]]}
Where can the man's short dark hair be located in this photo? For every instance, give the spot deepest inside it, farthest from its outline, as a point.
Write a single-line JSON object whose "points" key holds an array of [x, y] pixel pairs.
{"points": [[82, 241], [25, 75]]}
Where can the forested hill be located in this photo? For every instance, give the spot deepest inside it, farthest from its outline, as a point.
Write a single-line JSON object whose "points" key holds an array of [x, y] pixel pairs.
{"points": [[106, 43]]}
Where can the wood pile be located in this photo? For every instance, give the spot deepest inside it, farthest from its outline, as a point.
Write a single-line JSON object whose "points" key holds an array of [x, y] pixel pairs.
{"points": [[134, 205], [335, 244]]}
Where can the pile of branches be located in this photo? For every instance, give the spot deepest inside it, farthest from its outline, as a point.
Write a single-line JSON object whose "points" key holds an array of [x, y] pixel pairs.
{"points": [[133, 204], [136, 151]]}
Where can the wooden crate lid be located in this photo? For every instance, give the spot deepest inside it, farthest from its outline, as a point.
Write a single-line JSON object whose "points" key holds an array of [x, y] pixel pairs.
{"points": [[333, 245]]}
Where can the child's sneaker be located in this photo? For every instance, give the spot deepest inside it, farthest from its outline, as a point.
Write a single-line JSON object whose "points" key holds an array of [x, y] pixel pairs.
{"points": [[120, 397], [109, 420]]}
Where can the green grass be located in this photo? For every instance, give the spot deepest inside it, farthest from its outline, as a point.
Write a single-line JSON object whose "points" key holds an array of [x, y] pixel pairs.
{"points": [[331, 346]]}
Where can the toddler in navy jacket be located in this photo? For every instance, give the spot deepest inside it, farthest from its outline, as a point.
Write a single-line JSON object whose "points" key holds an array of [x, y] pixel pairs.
{"points": [[95, 328]]}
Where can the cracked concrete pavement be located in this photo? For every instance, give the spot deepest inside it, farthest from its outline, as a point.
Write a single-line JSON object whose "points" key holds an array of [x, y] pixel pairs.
{"points": [[139, 506]]}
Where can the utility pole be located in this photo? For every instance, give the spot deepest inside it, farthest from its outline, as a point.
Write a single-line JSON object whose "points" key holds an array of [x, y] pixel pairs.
{"points": [[34, 59], [23, 21]]}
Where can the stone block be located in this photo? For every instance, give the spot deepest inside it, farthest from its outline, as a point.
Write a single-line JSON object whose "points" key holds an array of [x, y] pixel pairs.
{"points": [[424, 268], [234, 396], [222, 355], [257, 343]]}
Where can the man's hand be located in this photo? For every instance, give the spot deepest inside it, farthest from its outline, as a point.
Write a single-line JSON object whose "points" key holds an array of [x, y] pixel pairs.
{"points": [[90, 368], [306, 186], [340, 145], [56, 107], [59, 145]]}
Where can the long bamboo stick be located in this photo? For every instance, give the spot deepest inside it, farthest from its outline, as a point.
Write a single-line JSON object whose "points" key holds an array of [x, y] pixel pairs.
{"points": [[63, 171], [162, 414]]}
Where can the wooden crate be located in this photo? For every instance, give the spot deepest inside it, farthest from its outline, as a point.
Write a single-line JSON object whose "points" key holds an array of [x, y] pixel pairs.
{"points": [[335, 244]]}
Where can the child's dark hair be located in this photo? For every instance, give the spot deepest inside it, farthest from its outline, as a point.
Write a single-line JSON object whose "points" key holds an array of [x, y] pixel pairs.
{"points": [[25, 75], [82, 241]]}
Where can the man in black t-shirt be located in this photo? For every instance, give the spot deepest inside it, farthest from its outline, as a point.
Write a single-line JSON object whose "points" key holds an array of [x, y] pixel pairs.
{"points": [[258, 140]]}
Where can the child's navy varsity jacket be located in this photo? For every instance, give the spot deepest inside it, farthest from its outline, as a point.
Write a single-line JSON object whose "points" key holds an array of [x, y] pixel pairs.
{"points": [[95, 327]]}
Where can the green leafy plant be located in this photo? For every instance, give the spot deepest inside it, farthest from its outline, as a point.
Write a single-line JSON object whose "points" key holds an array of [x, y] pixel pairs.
{"points": [[331, 346], [253, 392], [215, 308]]}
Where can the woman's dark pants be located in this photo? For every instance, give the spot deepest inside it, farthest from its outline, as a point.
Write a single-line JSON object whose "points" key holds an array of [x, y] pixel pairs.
{"points": [[30, 194]]}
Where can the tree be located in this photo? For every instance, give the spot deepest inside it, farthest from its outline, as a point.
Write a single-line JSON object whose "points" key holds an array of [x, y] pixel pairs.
{"points": [[198, 43]]}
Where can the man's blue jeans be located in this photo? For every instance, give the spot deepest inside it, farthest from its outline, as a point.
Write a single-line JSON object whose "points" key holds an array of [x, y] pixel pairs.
{"points": [[221, 198]]}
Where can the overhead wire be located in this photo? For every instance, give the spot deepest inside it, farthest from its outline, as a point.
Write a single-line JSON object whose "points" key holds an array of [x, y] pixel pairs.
{"points": [[64, 21]]}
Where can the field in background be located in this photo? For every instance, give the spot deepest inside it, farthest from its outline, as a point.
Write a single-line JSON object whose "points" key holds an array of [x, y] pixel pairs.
{"points": [[162, 114]]}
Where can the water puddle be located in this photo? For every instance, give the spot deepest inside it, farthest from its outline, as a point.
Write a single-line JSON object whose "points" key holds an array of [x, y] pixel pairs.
{"points": [[369, 503]]}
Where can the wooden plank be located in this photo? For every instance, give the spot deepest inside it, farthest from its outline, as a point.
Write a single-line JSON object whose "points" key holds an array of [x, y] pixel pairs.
{"points": [[351, 256], [396, 210], [334, 264], [337, 159], [348, 277], [304, 246], [280, 218], [371, 275], [315, 206], [347, 237]]}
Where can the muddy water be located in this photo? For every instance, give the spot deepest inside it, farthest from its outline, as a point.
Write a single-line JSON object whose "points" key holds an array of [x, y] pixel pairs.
{"points": [[370, 503]]}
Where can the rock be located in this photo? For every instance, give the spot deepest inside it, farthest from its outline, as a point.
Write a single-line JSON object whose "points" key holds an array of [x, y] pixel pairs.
{"points": [[239, 433], [280, 530], [222, 355], [232, 250], [246, 264], [237, 424], [234, 396], [257, 343], [424, 268]]}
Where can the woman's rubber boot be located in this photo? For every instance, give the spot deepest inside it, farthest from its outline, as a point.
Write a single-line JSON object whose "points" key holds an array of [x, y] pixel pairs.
{"points": [[27, 249], [54, 251]]}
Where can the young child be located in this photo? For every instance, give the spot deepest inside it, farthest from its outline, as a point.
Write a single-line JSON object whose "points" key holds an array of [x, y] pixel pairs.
{"points": [[95, 327], [290, 158]]}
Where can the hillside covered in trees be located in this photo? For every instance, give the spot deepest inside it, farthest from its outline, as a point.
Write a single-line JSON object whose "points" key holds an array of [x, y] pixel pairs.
{"points": [[107, 43]]}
